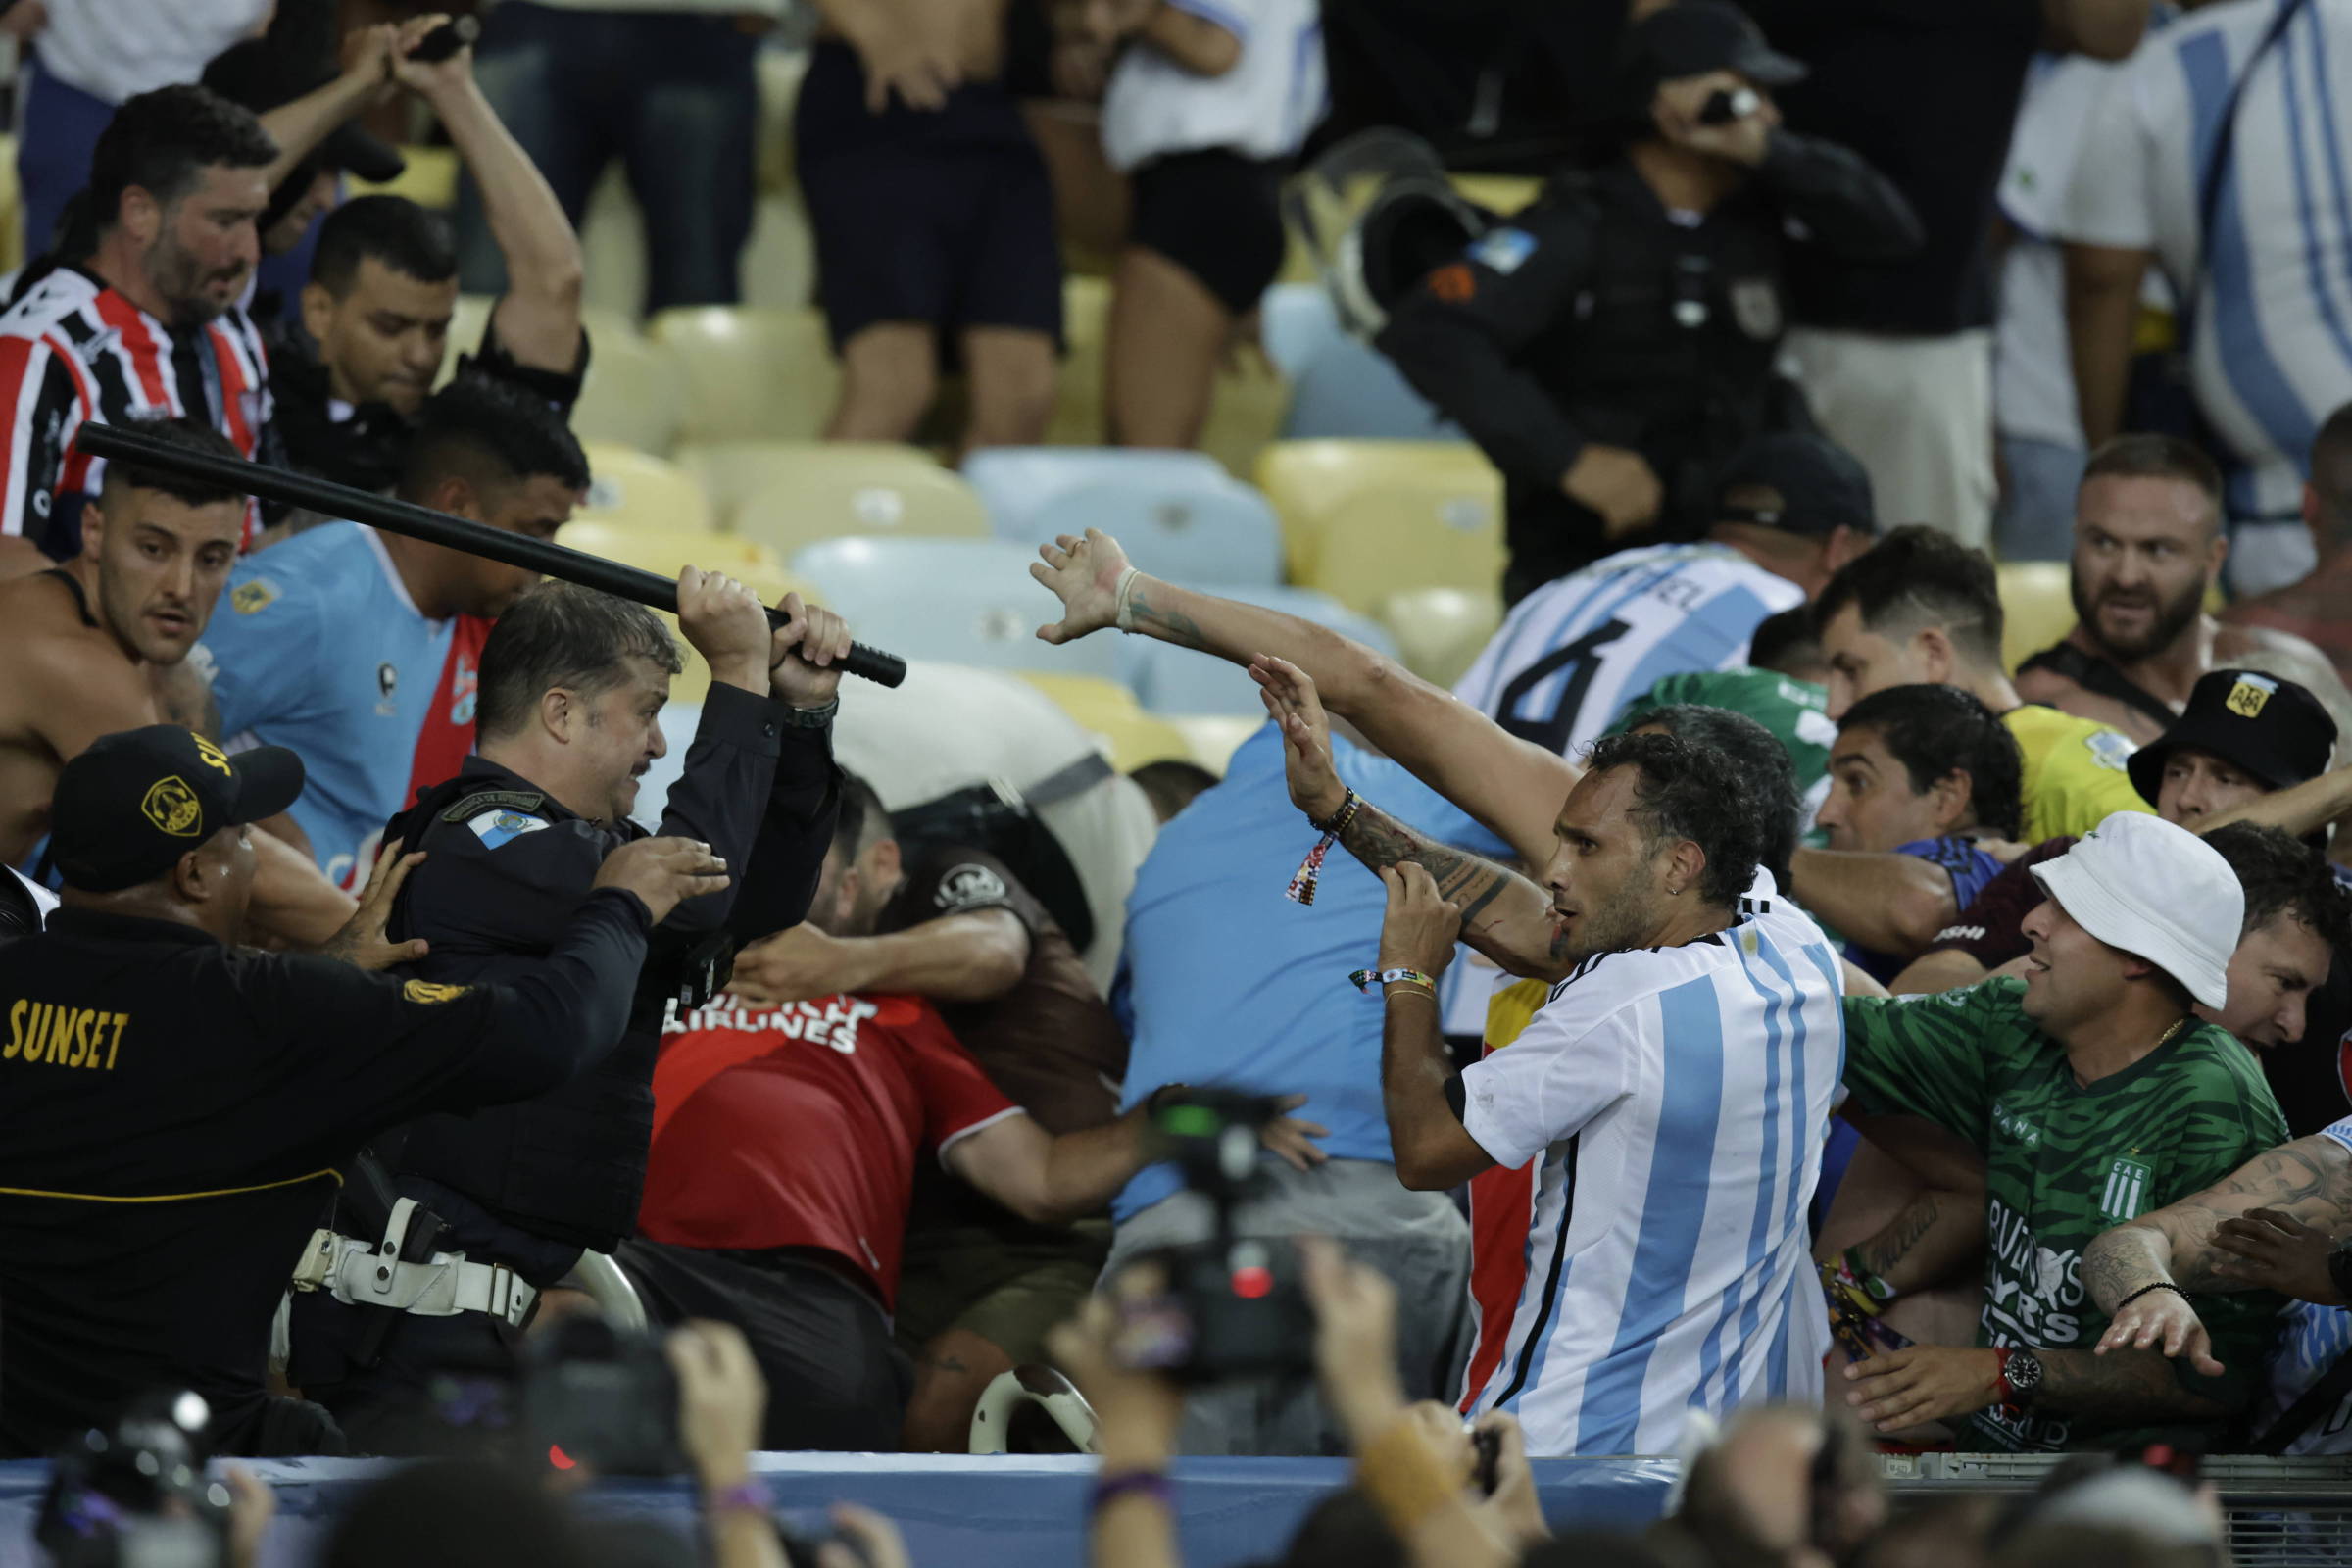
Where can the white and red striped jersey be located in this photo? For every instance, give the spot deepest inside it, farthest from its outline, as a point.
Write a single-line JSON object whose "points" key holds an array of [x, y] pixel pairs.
{"points": [[74, 350], [1656, 1122]]}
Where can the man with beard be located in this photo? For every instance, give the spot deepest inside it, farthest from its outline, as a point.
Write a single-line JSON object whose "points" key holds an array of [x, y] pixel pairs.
{"points": [[83, 644], [1680, 1190], [2148, 547], [146, 326]]}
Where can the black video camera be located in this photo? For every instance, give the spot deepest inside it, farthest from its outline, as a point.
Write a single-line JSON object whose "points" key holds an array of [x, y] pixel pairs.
{"points": [[135, 1495], [600, 1396], [1230, 1306]]}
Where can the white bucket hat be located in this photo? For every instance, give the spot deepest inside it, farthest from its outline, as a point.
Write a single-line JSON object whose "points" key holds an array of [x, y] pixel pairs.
{"points": [[2159, 892]]}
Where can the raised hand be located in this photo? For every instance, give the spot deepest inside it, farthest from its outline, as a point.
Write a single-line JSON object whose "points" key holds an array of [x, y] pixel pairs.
{"points": [[1420, 929], [724, 621], [664, 872], [361, 943], [1294, 704], [805, 653], [1085, 575]]}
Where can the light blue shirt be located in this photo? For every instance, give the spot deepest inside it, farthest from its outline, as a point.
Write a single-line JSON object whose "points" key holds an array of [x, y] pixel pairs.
{"points": [[1226, 982]]}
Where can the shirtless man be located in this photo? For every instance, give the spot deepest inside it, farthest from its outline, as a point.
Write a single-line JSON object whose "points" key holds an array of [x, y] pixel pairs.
{"points": [[88, 641], [2148, 548]]}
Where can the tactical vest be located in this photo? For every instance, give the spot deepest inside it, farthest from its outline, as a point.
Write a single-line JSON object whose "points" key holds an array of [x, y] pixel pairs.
{"points": [[570, 1165]]}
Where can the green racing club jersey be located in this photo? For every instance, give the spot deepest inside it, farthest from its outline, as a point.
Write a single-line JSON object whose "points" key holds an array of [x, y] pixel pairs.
{"points": [[2065, 1161]]}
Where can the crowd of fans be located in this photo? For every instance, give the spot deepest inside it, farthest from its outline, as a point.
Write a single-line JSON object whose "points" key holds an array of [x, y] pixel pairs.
{"points": [[1791, 1026]]}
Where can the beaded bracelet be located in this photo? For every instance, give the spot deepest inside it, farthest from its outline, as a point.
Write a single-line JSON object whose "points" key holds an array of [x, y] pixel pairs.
{"points": [[2160, 1284], [1302, 886]]}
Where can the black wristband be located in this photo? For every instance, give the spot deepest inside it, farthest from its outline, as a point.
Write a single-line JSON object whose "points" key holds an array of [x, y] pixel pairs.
{"points": [[2160, 1284]]}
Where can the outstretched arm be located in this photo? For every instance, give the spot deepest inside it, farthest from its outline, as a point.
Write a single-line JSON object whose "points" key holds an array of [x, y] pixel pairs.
{"points": [[1512, 786], [1503, 914], [1881, 902]]}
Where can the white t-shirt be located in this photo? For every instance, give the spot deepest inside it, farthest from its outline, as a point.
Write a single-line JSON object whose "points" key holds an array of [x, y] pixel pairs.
{"points": [[2273, 355], [1661, 1121], [118, 49], [1263, 107]]}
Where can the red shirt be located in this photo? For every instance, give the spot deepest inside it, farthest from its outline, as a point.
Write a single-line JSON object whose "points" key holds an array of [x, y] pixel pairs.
{"points": [[798, 1126]]}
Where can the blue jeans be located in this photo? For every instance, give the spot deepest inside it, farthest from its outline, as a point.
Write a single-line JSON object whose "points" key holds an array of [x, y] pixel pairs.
{"points": [[671, 95], [60, 126], [2036, 517]]}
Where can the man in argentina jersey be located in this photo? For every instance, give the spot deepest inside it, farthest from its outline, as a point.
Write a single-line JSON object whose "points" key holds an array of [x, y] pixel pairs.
{"points": [[2269, 1226], [359, 648], [1792, 509]]}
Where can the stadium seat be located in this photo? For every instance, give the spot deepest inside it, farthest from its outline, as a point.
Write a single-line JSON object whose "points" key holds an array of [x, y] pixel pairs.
{"points": [[1339, 385], [633, 395], [664, 552], [1111, 710], [1362, 520], [430, 178], [12, 208], [2037, 608], [629, 486], [751, 374], [1441, 631], [1077, 419], [965, 601], [1179, 514], [1177, 680], [1502, 194], [1213, 738], [791, 494]]}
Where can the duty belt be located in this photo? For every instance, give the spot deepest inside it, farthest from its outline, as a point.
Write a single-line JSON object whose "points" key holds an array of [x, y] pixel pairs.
{"points": [[361, 1273]]}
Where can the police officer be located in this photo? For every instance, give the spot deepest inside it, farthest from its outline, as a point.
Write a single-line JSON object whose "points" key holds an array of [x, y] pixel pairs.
{"points": [[1610, 346], [573, 684], [175, 1112]]}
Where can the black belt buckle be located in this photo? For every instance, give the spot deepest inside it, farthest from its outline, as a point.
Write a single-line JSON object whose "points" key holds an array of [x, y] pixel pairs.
{"points": [[705, 972]]}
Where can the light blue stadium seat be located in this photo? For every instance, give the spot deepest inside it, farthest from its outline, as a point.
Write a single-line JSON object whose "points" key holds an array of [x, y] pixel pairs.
{"points": [[965, 601], [1015, 481], [1177, 680], [1340, 386]]}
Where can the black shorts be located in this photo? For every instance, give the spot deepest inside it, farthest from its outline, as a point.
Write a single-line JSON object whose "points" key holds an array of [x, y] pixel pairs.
{"points": [[1218, 215], [945, 218]]}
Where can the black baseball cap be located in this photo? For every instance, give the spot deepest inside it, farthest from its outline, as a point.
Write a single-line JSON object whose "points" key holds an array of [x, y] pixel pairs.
{"points": [[260, 76], [1815, 485], [2269, 728], [135, 802], [1692, 38]]}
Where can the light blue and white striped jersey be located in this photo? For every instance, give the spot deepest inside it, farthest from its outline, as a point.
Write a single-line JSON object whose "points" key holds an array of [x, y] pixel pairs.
{"points": [[2273, 355], [1659, 1126], [1576, 651], [2311, 1338]]}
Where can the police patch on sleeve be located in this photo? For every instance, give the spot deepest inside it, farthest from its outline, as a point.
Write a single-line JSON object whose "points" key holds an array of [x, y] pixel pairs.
{"points": [[494, 829], [1502, 250], [970, 887]]}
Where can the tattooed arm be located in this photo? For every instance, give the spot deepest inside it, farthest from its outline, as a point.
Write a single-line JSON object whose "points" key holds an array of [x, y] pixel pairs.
{"points": [[1938, 1235], [2309, 1181], [1515, 788]]}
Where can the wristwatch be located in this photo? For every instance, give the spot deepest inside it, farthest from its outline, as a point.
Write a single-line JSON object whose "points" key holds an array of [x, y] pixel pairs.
{"points": [[2020, 1378]]}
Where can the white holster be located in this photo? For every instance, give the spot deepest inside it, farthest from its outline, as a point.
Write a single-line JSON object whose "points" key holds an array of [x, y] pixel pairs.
{"points": [[372, 1274]]}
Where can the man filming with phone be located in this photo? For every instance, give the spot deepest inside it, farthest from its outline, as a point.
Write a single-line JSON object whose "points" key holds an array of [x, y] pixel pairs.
{"points": [[1611, 346]]}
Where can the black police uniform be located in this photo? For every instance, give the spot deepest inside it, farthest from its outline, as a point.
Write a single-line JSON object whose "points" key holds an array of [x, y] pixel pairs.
{"points": [[176, 1117], [530, 1186], [1597, 315]]}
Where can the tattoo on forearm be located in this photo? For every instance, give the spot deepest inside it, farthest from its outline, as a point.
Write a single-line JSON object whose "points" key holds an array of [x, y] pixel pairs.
{"points": [[1883, 1252], [2119, 1386], [1152, 614], [1467, 881]]}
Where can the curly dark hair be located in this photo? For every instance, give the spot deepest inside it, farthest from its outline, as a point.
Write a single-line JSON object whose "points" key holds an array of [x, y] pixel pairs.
{"points": [[159, 140], [1936, 730], [1760, 758], [1691, 790], [2282, 875]]}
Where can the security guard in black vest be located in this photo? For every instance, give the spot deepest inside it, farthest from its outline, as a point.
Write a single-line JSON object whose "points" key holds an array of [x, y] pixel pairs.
{"points": [[176, 1113], [572, 683], [1610, 346]]}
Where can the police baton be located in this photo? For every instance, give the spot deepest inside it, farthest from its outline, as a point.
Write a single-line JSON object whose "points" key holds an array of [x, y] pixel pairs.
{"points": [[323, 496]]}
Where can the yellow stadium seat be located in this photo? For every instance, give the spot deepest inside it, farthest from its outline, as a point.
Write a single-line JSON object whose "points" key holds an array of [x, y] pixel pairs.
{"points": [[1440, 631], [1504, 194], [633, 487], [1111, 710], [12, 208], [749, 374], [1212, 738], [1362, 520], [2037, 608], [664, 552], [1077, 419], [430, 180], [789, 495], [633, 396]]}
